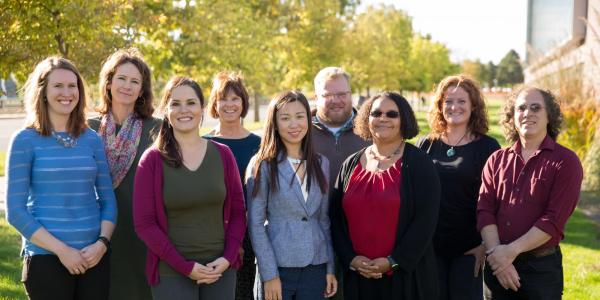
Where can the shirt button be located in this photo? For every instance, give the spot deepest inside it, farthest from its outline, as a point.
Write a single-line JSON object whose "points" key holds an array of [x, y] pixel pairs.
{"points": [[517, 189], [508, 223], [304, 219], [522, 173], [226, 221]]}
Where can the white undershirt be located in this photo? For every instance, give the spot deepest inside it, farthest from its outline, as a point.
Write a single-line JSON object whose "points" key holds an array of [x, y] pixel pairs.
{"points": [[303, 183]]}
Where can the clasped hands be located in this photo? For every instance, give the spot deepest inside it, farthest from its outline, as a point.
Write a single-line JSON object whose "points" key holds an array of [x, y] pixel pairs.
{"points": [[77, 262], [209, 273], [370, 268], [500, 259]]}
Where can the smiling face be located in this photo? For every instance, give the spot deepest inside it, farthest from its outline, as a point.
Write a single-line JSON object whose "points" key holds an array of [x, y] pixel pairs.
{"points": [[126, 85], [456, 107], [292, 123], [184, 110], [334, 101], [230, 107], [383, 127], [531, 117], [62, 93]]}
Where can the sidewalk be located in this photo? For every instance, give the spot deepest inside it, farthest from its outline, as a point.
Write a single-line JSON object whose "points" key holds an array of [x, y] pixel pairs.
{"points": [[2, 192]]}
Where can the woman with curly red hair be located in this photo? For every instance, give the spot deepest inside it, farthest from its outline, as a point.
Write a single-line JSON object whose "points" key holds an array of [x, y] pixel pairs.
{"points": [[459, 147]]}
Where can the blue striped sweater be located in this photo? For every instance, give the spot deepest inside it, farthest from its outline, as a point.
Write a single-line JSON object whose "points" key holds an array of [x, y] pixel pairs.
{"points": [[68, 191]]}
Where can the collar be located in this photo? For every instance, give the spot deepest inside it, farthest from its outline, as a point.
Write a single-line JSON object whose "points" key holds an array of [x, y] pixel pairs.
{"points": [[547, 144]]}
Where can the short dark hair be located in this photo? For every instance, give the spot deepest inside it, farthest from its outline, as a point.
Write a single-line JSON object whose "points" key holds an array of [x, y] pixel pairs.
{"points": [[552, 107], [409, 127]]}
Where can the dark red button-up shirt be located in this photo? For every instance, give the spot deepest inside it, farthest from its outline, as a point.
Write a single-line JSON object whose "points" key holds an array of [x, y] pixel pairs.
{"points": [[543, 192]]}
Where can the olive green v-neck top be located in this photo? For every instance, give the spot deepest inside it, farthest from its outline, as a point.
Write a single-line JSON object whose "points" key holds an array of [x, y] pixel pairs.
{"points": [[193, 202]]}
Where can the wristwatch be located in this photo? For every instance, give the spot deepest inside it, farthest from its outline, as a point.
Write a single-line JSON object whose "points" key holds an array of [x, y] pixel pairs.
{"points": [[104, 241], [393, 264]]}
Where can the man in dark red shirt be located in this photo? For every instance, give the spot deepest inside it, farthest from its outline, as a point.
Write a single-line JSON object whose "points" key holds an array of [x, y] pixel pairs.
{"points": [[527, 194]]}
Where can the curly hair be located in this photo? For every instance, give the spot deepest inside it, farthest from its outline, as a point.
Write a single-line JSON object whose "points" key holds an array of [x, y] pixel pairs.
{"points": [[409, 127], [478, 122], [552, 107]]}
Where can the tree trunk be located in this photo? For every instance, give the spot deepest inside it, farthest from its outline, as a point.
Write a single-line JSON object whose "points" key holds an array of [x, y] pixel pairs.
{"points": [[256, 107]]}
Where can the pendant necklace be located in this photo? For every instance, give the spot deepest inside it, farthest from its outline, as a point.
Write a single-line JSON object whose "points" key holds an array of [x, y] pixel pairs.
{"points": [[380, 158], [68, 142], [451, 152], [295, 161]]}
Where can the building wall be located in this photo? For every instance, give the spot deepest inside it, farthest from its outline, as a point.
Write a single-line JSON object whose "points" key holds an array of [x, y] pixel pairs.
{"points": [[577, 58]]}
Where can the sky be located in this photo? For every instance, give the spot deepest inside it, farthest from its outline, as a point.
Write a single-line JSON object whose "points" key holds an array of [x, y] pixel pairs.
{"points": [[471, 29]]}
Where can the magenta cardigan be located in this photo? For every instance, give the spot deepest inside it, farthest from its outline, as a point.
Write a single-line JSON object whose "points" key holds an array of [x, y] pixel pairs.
{"points": [[150, 219]]}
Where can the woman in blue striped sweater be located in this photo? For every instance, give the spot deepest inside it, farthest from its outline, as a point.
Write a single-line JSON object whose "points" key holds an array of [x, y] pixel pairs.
{"points": [[60, 195]]}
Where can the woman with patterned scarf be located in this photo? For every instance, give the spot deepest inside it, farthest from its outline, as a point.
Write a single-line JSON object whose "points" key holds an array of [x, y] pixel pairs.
{"points": [[127, 128]]}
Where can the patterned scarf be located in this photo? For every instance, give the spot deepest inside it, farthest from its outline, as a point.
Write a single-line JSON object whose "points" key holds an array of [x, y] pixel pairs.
{"points": [[120, 148]]}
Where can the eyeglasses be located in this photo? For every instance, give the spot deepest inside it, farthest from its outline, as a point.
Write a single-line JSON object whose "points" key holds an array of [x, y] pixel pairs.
{"points": [[392, 114], [338, 95], [534, 107]]}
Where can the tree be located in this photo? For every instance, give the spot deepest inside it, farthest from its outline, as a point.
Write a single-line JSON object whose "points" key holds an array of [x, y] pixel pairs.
{"points": [[509, 70], [79, 30], [490, 74], [475, 69], [377, 49], [429, 63]]}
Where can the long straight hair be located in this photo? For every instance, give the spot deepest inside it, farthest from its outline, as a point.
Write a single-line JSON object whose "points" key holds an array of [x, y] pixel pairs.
{"points": [[165, 142], [272, 146], [36, 102]]}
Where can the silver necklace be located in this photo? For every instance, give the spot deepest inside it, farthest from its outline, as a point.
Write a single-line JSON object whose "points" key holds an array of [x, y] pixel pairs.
{"points": [[68, 142], [379, 157], [451, 152]]}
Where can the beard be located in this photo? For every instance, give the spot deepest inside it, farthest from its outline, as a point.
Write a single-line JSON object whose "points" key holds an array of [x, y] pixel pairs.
{"points": [[335, 119]]}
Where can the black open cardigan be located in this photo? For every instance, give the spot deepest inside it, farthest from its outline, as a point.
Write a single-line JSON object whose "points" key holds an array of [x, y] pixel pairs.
{"points": [[413, 251]]}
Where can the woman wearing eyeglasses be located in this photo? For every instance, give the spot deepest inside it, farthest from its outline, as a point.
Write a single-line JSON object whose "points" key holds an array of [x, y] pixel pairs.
{"points": [[385, 206], [459, 148]]}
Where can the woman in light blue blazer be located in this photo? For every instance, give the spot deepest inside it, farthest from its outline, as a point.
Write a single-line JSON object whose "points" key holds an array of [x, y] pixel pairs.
{"points": [[287, 188]]}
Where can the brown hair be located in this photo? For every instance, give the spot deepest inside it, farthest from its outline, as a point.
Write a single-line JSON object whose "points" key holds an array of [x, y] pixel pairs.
{"points": [[409, 127], [224, 83], [165, 142], [272, 146], [552, 107], [478, 122], [143, 104], [37, 104]]}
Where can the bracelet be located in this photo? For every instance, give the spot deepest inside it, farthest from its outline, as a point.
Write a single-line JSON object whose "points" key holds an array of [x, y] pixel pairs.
{"points": [[104, 241]]}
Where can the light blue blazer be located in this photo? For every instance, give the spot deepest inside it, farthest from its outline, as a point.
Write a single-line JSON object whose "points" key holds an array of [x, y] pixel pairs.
{"points": [[296, 233]]}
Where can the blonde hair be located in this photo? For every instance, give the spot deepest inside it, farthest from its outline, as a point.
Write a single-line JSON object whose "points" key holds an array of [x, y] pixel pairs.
{"points": [[329, 73]]}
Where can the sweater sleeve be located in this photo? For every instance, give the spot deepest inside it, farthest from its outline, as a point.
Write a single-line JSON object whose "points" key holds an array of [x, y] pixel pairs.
{"points": [[104, 188], [257, 215], [236, 228], [18, 170], [425, 196], [145, 215]]}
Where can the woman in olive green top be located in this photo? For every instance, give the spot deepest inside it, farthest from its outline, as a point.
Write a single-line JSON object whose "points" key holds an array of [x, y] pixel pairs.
{"points": [[127, 128]]}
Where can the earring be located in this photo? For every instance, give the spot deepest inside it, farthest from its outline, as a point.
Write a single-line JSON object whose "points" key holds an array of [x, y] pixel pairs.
{"points": [[45, 99]]}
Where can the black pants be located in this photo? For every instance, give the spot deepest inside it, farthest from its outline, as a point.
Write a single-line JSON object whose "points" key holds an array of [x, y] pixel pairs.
{"points": [[541, 278], [45, 277], [456, 278]]}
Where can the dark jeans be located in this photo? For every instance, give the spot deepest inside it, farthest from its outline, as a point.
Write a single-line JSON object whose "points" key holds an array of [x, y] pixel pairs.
{"points": [[307, 283], [541, 278], [358, 287], [183, 288], [456, 278], [45, 277]]}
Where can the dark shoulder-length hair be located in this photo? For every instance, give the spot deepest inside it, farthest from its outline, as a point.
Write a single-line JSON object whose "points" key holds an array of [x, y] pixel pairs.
{"points": [[272, 146], [37, 104], [144, 103], [409, 127], [552, 107], [165, 142], [478, 122], [224, 83]]}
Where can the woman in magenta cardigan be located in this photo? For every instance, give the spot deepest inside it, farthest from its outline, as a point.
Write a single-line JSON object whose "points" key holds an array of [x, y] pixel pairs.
{"points": [[188, 205]]}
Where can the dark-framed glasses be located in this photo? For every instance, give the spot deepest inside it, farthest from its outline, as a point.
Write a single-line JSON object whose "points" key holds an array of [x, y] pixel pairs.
{"points": [[391, 114], [534, 107], [337, 95]]}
